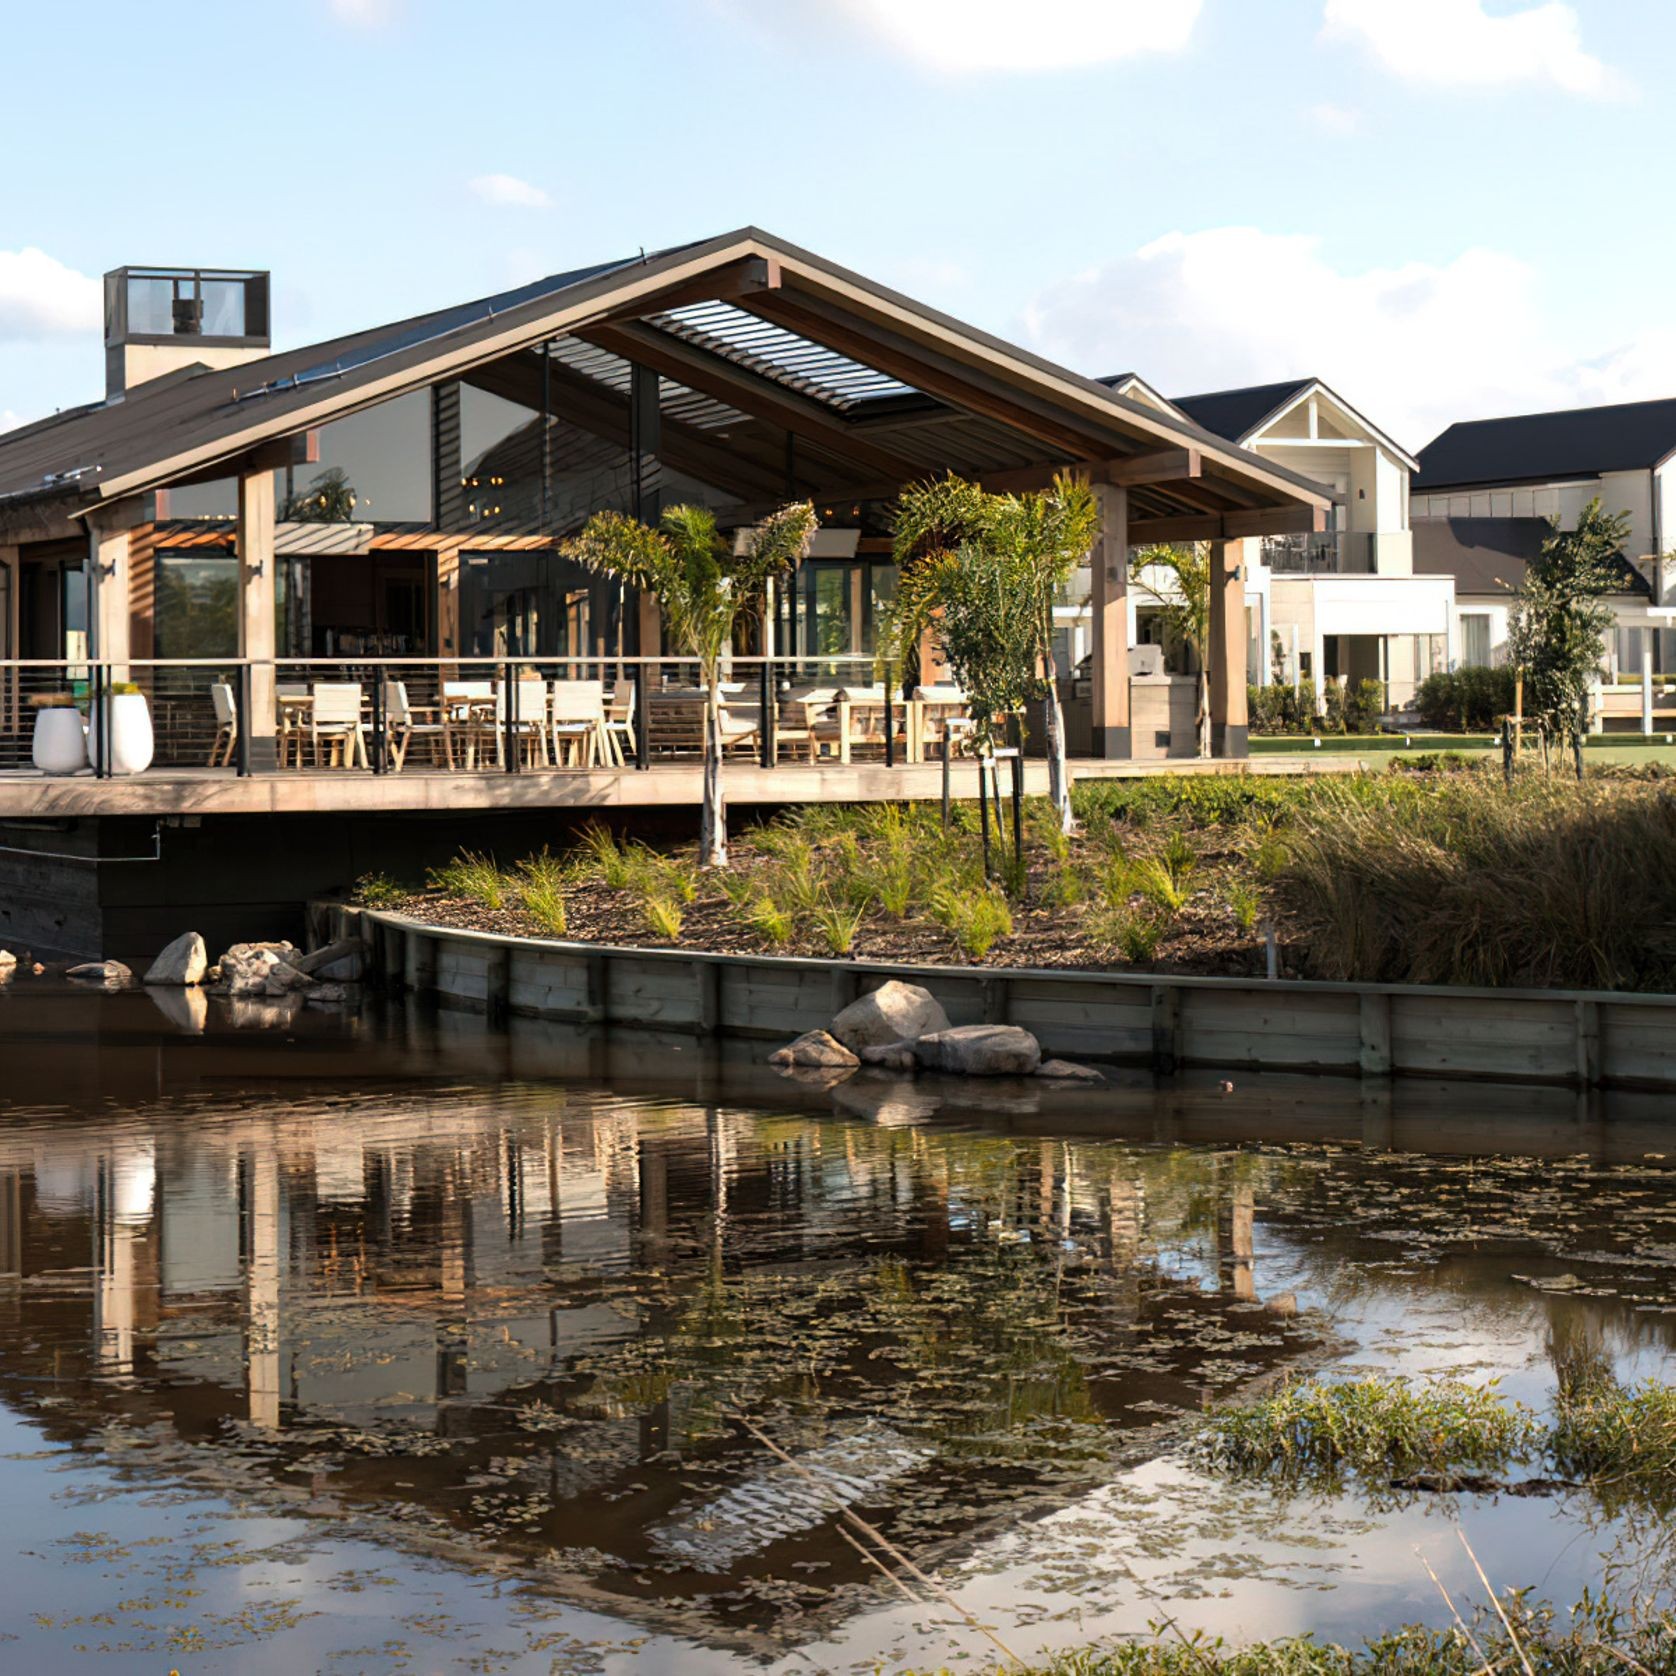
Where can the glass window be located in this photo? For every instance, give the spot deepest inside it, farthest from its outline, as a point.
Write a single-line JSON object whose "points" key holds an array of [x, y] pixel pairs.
{"points": [[196, 613], [151, 307], [501, 463], [523, 605], [223, 308], [374, 467], [1475, 638]]}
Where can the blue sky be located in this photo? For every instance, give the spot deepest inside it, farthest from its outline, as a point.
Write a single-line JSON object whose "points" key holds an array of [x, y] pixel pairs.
{"points": [[1444, 207]]}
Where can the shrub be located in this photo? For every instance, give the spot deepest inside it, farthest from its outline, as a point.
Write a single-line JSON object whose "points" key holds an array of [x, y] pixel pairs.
{"points": [[1364, 706], [1333, 716], [1472, 699], [1161, 887], [975, 915], [1246, 902], [1139, 936], [378, 890], [474, 877], [1465, 880]]}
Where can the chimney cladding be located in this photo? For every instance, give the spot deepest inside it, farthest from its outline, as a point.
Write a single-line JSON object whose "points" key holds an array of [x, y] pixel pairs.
{"points": [[160, 321]]}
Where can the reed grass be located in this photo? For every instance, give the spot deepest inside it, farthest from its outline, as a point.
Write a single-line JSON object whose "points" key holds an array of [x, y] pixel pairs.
{"points": [[475, 877]]}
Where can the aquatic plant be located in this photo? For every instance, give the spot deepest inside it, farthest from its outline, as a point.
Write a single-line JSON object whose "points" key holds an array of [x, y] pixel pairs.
{"points": [[1374, 1426]]}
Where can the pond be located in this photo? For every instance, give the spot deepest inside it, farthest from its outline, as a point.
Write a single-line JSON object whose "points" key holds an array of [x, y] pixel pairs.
{"points": [[380, 1341]]}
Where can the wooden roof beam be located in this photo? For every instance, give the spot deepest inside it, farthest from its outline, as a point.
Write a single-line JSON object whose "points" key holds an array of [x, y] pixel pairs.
{"points": [[751, 393], [744, 278], [925, 369], [1229, 526]]}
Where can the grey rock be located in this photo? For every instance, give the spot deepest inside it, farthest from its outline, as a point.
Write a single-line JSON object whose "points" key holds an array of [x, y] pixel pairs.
{"points": [[326, 995], [815, 1050], [101, 971], [184, 961], [334, 954], [890, 1056], [894, 1012], [284, 978], [1062, 1070], [980, 1050]]}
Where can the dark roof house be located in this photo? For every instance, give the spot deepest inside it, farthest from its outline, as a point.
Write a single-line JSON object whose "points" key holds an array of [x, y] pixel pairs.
{"points": [[1542, 447]]}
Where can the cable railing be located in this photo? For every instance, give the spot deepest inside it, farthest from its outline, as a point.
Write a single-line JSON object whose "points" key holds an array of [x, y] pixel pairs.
{"points": [[459, 715]]}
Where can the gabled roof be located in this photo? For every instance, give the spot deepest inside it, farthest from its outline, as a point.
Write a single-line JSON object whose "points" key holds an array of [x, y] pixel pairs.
{"points": [[1242, 415], [1236, 414], [1489, 555], [1544, 447], [752, 337]]}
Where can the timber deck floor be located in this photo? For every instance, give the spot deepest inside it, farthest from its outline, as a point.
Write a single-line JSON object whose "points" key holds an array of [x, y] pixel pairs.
{"points": [[212, 791]]}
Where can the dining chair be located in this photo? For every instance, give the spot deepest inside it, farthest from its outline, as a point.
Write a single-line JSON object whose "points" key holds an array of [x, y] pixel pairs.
{"points": [[577, 723], [335, 722], [408, 722], [226, 723], [462, 704], [520, 708], [620, 740]]}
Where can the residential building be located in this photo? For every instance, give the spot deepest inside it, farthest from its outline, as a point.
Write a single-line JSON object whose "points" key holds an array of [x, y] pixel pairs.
{"points": [[1488, 488]]}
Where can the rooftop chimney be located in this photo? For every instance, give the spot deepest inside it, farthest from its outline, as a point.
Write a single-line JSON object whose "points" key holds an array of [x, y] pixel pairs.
{"points": [[158, 320]]}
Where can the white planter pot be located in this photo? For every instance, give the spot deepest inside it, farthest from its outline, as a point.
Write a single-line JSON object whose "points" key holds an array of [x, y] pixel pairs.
{"points": [[60, 745], [131, 742]]}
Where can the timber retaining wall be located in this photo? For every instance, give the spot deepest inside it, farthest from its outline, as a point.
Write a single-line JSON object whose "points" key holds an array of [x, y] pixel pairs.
{"points": [[1585, 1039]]}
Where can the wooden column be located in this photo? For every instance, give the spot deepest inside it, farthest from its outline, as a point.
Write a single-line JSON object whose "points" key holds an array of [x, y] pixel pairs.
{"points": [[1228, 647], [110, 532], [255, 542], [1109, 603]]}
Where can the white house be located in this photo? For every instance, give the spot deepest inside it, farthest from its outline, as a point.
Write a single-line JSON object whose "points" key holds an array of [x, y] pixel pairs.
{"points": [[1487, 490], [1345, 604]]}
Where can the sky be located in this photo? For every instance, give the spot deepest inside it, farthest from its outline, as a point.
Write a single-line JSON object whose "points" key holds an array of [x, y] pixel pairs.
{"points": [[1445, 208]]}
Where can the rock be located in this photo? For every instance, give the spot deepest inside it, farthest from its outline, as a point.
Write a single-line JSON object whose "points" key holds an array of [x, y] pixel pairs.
{"points": [[7, 960], [326, 995], [1062, 1070], [815, 1050], [980, 1050], [284, 978], [101, 971], [345, 951], [184, 961], [245, 967], [890, 1056], [894, 1012]]}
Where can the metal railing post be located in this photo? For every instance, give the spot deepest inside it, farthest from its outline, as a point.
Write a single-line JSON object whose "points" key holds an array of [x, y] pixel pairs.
{"points": [[765, 732], [99, 729], [643, 717], [379, 760], [890, 723], [241, 722], [509, 727]]}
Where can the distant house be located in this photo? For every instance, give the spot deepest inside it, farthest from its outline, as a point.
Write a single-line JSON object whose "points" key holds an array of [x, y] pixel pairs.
{"points": [[1345, 604], [1487, 488]]}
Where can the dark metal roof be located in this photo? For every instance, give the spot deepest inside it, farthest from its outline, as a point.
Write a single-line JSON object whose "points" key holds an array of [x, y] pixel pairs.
{"points": [[839, 349], [1235, 414], [1489, 555], [1540, 447]]}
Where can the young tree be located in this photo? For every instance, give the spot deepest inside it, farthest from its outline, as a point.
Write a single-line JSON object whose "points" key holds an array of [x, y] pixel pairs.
{"points": [[704, 589], [983, 572], [1557, 630], [1186, 610]]}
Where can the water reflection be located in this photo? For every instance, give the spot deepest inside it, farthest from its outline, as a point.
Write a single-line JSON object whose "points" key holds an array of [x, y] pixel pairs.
{"points": [[384, 1271]]}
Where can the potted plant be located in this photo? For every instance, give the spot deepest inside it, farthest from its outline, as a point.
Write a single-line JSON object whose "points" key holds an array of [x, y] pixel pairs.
{"points": [[131, 745], [60, 744]]}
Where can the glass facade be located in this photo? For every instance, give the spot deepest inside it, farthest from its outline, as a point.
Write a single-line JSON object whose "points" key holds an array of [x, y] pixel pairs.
{"points": [[374, 468], [197, 604], [524, 605]]}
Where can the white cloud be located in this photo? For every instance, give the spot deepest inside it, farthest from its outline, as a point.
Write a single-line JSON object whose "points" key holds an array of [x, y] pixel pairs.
{"points": [[975, 37], [508, 192], [364, 14], [10, 420], [1456, 43], [1415, 347], [1338, 120], [41, 297]]}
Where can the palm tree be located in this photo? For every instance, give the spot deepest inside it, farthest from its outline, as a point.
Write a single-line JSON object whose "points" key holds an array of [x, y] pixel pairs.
{"points": [[704, 589], [1185, 606], [985, 571]]}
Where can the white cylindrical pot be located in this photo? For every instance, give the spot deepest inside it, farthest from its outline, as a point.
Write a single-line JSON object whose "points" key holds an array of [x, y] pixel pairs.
{"points": [[60, 745], [131, 740]]}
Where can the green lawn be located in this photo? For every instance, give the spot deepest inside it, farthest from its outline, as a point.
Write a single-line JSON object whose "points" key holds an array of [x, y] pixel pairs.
{"points": [[1616, 750]]}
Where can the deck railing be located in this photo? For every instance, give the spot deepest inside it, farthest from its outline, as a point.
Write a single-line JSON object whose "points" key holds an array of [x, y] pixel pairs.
{"points": [[379, 715]]}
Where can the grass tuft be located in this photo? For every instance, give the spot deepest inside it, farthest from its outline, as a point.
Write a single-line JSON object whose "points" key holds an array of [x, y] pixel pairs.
{"points": [[473, 876], [378, 890]]}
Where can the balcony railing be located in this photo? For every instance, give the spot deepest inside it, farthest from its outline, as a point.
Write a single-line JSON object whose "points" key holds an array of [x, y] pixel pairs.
{"points": [[236, 717], [1332, 553]]}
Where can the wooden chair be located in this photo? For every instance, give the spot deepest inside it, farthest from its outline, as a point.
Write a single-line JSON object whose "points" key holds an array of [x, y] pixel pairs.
{"points": [[577, 723], [291, 719], [520, 708], [620, 740], [808, 719], [407, 722], [461, 701], [335, 723], [226, 724], [939, 712]]}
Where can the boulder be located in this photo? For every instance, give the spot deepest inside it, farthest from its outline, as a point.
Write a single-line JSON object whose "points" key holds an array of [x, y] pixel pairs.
{"points": [[184, 961], [345, 951], [284, 979], [894, 1012], [245, 967], [980, 1050], [1062, 1070], [890, 1056], [7, 960], [326, 995], [815, 1050], [101, 971]]}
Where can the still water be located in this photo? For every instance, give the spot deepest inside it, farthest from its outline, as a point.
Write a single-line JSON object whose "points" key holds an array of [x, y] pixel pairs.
{"points": [[385, 1343]]}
